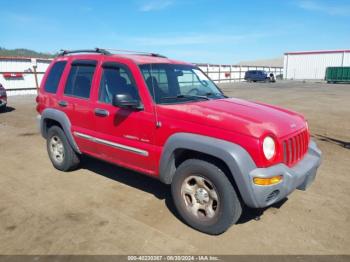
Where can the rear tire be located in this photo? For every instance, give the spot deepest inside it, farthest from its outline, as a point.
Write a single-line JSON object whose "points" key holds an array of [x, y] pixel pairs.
{"points": [[204, 197], [61, 154]]}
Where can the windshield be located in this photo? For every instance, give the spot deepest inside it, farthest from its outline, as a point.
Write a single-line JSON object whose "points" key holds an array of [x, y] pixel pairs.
{"points": [[173, 83]]}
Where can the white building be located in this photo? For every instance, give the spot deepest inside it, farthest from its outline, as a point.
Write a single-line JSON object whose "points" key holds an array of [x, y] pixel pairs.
{"points": [[235, 73], [17, 74], [312, 65]]}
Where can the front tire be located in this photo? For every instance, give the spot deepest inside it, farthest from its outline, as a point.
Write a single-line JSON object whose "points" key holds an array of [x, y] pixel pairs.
{"points": [[204, 197], [61, 154]]}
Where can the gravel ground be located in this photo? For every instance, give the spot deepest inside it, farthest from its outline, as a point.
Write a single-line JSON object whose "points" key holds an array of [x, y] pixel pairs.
{"points": [[103, 209]]}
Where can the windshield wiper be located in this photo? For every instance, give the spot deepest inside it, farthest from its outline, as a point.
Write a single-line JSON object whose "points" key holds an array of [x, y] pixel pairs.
{"points": [[184, 96]]}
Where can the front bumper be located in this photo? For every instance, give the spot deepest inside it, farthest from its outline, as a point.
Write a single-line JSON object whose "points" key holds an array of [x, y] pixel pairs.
{"points": [[299, 177]]}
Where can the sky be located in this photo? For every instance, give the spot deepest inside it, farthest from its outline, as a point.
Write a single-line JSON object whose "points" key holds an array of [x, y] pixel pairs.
{"points": [[199, 31]]}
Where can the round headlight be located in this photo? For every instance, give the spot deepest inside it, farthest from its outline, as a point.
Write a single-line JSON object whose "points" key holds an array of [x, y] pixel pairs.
{"points": [[269, 147]]}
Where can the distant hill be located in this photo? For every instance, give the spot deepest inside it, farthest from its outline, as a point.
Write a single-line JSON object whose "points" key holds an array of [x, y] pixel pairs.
{"points": [[278, 62], [24, 53]]}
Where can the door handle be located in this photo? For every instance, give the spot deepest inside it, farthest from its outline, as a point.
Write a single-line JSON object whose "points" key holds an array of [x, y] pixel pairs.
{"points": [[101, 112], [62, 103]]}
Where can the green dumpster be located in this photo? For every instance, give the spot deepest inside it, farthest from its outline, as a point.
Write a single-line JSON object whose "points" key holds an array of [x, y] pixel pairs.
{"points": [[338, 74]]}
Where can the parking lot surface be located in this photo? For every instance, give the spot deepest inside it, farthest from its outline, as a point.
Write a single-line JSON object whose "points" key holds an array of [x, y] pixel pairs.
{"points": [[104, 209]]}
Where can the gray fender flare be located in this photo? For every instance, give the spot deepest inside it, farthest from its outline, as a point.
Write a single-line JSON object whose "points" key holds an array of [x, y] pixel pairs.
{"points": [[61, 118], [236, 158]]}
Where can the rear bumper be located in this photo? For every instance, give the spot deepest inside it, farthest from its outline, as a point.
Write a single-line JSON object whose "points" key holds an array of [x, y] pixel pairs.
{"points": [[39, 125], [3, 101], [299, 177]]}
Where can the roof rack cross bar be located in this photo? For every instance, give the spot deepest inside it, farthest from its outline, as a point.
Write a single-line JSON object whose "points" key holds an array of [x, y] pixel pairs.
{"points": [[96, 50]]}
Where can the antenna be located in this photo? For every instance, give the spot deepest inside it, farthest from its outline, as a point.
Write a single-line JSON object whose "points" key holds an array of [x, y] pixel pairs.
{"points": [[158, 123]]}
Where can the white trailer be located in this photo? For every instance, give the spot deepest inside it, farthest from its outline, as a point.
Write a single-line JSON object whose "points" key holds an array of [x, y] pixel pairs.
{"points": [[311, 65]]}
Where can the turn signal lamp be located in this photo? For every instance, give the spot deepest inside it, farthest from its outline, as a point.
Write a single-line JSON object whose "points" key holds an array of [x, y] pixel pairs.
{"points": [[267, 181]]}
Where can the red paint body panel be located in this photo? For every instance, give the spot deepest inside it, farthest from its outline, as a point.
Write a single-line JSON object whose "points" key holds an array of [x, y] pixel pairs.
{"points": [[242, 122], [234, 120]]}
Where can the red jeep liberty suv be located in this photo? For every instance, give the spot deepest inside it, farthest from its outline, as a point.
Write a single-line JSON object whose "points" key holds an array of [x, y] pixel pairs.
{"points": [[168, 120]]}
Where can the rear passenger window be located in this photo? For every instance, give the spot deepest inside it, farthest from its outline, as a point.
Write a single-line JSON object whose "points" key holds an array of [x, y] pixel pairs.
{"points": [[80, 79], [53, 79]]}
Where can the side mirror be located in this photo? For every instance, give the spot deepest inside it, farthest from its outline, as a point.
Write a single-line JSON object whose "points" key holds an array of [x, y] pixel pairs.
{"points": [[179, 73], [126, 101]]}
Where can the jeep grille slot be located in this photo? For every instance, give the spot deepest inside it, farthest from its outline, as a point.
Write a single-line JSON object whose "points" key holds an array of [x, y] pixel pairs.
{"points": [[295, 147]]}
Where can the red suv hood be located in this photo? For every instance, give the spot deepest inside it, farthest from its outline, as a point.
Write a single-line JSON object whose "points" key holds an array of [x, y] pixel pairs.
{"points": [[236, 115]]}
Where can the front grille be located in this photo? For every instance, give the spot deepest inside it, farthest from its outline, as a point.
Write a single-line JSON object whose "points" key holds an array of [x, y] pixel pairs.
{"points": [[295, 147]]}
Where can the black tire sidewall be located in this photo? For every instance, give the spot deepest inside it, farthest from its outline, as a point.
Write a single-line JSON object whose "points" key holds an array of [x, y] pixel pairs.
{"points": [[230, 208]]}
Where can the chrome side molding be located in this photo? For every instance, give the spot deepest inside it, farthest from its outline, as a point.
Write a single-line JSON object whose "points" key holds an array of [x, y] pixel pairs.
{"points": [[112, 144]]}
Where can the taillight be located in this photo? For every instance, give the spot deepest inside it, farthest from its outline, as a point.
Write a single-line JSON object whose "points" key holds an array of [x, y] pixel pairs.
{"points": [[2, 91]]}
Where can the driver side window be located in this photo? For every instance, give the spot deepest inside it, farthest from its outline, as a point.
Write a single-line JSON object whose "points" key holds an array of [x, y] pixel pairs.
{"points": [[116, 80]]}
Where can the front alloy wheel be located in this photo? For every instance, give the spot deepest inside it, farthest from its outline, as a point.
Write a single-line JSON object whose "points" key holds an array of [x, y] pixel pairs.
{"points": [[200, 197], [204, 197]]}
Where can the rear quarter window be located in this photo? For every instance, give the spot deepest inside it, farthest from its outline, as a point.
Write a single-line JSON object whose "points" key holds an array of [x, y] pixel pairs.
{"points": [[53, 79]]}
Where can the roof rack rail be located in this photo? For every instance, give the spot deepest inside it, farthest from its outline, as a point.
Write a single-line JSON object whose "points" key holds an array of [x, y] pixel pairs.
{"points": [[157, 55], [96, 50], [136, 52]]}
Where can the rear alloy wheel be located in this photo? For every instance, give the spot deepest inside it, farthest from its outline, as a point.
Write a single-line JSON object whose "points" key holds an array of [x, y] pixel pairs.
{"points": [[56, 149], [61, 153], [204, 197]]}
